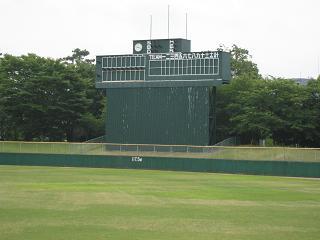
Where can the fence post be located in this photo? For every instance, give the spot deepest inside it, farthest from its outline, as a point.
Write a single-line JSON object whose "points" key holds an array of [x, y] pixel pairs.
{"points": [[19, 147]]}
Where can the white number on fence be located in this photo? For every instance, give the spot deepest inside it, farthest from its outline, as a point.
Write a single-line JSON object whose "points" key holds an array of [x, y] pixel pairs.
{"points": [[136, 159]]}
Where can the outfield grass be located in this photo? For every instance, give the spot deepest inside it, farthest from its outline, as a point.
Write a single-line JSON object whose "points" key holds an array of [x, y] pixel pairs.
{"points": [[83, 203]]}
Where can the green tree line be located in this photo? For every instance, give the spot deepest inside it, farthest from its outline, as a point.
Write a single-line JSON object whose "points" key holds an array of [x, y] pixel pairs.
{"points": [[48, 99], [253, 107]]}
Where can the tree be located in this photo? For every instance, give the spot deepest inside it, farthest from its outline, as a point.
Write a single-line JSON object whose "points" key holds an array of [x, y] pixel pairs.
{"points": [[253, 108], [78, 56], [312, 104], [272, 108], [253, 117], [241, 62], [47, 99], [244, 76], [92, 123], [288, 104]]}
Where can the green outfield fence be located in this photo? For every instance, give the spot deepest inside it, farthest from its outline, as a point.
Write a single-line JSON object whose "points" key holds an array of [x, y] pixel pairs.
{"points": [[212, 152], [303, 162]]}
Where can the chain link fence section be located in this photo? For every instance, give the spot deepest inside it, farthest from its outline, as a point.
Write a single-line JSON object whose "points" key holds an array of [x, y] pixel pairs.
{"points": [[185, 151]]}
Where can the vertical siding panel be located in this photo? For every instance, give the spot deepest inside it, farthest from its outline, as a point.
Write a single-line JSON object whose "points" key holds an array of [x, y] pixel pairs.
{"points": [[167, 115]]}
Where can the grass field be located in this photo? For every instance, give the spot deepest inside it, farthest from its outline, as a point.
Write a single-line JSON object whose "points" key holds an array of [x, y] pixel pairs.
{"points": [[82, 203]]}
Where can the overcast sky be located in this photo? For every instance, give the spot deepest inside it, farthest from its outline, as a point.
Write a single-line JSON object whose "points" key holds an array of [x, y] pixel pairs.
{"points": [[283, 36]]}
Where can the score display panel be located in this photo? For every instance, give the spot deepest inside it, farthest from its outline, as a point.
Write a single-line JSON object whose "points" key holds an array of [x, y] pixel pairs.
{"points": [[210, 68]]}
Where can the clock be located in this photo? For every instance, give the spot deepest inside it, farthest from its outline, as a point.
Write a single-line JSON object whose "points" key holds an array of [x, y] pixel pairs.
{"points": [[138, 47]]}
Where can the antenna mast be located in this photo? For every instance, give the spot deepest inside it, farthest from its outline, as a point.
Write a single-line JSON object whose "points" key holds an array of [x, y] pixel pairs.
{"points": [[168, 21], [186, 25], [150, 27]]}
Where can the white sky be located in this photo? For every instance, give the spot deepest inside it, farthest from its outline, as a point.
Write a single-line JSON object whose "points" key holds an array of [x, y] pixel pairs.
{"points": [[283, 36]]}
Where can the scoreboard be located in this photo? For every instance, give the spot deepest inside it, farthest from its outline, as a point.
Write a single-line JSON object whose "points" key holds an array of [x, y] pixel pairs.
{"points": [[162, 93], [151, 68]]}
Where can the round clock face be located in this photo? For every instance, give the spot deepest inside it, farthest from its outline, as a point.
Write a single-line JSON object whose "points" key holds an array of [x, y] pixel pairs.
{"points": [[138, 47]]}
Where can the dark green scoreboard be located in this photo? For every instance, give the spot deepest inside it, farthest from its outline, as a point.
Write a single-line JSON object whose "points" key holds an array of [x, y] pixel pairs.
{"points": [[162, 93], [153, 69]]}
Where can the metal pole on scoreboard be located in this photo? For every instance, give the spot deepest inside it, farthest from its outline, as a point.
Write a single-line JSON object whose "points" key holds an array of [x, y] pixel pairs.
{"points": [[150, 27], [168, 21], [186, 25]]}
